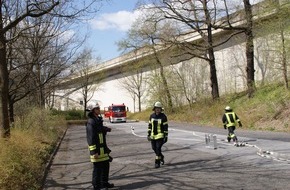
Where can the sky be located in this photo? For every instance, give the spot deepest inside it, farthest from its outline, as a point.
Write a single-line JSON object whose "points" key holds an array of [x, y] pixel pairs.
{"points": [[110, 26]]}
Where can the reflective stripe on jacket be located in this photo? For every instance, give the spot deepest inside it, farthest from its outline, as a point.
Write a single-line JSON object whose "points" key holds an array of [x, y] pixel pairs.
{"points": [[158, 126], [96, 138], [230, 119]]}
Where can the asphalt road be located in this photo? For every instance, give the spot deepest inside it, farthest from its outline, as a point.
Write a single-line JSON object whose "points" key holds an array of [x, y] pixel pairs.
{"points": [[264, 163]]}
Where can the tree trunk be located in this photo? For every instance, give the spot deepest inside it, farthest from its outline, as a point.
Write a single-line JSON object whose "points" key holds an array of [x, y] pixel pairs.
{"points": [[85, 96], [164, 82], [210, 51], [211, 61], [284, 59], [11, 103], [139, 101], [213, 78], [11, 109], [4, 91], [250, 69]]}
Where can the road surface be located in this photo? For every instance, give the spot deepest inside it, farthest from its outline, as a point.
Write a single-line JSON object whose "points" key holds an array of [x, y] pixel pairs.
{"points": [[264, 163]]}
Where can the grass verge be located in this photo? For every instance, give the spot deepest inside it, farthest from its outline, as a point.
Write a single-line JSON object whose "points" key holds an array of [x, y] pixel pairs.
{"points": [[24, 155], [268, 110]]}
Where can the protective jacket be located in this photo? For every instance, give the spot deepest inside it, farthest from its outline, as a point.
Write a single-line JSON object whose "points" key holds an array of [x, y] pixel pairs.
{"points": [[96, 138], [230, 119], [158, 126]]}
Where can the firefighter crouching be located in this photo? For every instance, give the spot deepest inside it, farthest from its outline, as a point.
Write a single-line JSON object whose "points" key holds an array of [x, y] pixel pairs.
{"points": [[230, 119], [99, 151], [158, 132]]}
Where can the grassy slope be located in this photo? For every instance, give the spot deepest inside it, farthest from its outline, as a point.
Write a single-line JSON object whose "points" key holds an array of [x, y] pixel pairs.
{"points": [[24, 155], [268, 110]]}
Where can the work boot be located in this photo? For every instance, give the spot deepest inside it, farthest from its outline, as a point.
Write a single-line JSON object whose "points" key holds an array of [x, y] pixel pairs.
{"points": [[157, 163], [229, 139], [162, 160], [98, 188], [109, 185]]}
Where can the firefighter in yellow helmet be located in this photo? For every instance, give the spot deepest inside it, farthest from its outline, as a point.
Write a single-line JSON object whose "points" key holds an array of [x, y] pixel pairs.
{"points": [[230, 120], [99, 151], [158, 132]]}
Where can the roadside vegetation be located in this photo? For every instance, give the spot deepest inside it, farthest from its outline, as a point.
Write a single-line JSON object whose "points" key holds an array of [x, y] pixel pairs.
{"points": [[268, 110], [23, 156], [35, 134], [36, 60]]}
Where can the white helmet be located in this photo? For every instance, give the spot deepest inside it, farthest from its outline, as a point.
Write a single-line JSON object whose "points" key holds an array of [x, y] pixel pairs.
{"points": [[157, 105], [94, 107], [228, 108]]}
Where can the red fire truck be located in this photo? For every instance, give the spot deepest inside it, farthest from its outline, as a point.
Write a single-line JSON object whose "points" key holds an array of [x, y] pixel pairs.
{"points": [[116, 113]]}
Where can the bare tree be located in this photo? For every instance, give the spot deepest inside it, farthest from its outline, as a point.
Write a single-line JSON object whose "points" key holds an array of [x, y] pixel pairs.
{"points": [[82, 68], [135, 83], [189, 79], [194, 18], [262, 57], [12, 13], [249, 48], [283, 27], [228, 24], [275, 32], [145, 36]]}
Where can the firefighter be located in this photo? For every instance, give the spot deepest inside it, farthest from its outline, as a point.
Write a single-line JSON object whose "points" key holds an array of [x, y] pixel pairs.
{"points": [[230, 119], [158, 132], [99, 151]]}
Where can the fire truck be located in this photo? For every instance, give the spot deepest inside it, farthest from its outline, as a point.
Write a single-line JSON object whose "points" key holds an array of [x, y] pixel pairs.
{"points": [[116, 113]]}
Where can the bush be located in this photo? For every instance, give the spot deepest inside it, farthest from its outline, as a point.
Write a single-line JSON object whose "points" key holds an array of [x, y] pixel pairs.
{"points": [[70, 114], [23, 156]]}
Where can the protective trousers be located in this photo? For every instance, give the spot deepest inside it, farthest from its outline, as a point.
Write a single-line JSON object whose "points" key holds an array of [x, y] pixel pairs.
{"points": [[156, 146], [100, 174], [231, 134]]}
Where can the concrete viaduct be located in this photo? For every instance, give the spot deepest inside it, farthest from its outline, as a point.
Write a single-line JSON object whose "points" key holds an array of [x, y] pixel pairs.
{"points": [[114, 69]]}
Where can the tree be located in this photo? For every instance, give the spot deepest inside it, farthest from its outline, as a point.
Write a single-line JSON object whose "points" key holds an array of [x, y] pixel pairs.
{"points": [[135, 83], [194, 18], [146, 37], [12, 13], [228, 24], [32, 11], [282, 27], [189, 81], [249, 48], [82, 68]]}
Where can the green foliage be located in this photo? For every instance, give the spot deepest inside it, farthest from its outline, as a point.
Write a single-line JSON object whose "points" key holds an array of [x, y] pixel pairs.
{"points": [[70, 114], [143, 116], [268, 110], [23, 156]]}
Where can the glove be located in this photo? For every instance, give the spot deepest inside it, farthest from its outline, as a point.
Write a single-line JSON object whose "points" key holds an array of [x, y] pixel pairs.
{"points": [[107, 129], [148, 138], [110, 158], [225, 127], [241, 125], [165, 140]]}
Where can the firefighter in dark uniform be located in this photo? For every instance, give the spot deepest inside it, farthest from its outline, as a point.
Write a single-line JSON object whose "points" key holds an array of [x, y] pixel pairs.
{"points": [[230, 119], [99, 151], [158, 132]]}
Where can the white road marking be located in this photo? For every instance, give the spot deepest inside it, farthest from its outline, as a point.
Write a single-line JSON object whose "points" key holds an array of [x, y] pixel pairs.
{"points": [[260, 152]]}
